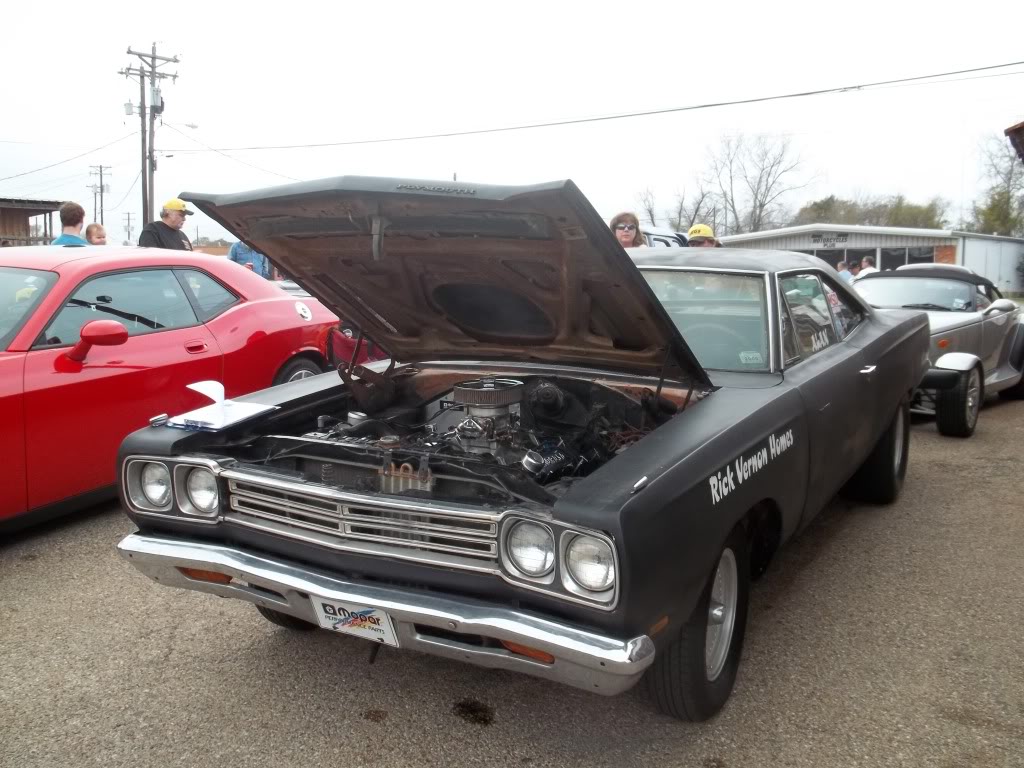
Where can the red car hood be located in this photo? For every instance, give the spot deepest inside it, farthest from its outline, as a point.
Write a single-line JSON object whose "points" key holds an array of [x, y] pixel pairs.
{"points": [[446, 271]]}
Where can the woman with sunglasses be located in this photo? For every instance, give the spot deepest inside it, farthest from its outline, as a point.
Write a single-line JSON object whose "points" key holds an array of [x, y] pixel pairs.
{"points": [[626, 227]]}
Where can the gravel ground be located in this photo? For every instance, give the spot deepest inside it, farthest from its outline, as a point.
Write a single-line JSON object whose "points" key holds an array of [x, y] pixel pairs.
{"points": [[880, 636]]}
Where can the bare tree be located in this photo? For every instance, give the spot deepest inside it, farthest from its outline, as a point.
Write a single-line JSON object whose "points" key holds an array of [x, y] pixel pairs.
{"points": [[752, 179], [649, 207], [688, 212]]}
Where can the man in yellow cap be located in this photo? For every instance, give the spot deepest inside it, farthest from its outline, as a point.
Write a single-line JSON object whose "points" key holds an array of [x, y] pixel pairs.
{"points": [[167, 233], [701, 236]]}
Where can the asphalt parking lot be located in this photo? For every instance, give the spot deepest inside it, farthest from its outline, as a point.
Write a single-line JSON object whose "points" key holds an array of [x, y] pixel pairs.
{"points": [[880, 636]]}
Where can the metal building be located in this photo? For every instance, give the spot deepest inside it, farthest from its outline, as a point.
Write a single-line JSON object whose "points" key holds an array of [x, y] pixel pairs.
{"points": [[993, 256], [16, 225]]}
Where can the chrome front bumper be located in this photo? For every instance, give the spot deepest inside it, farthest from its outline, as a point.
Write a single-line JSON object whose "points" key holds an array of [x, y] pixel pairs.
{"points": [[584, 660]]}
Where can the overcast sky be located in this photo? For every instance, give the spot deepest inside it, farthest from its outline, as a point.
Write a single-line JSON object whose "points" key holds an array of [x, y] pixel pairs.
{"points": [[305, 73]]}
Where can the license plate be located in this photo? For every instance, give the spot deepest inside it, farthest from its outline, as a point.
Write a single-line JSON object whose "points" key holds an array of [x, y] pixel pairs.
{"points": [[367, 623]]}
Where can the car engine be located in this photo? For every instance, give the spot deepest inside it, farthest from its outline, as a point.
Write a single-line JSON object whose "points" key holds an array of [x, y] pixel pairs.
{"points": [[488, 439]]}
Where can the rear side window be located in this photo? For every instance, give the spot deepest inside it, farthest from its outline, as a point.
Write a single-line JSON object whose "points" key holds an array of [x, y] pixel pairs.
{"points": [[210, 297], [808, 306], [845, 313], [146, 301]]}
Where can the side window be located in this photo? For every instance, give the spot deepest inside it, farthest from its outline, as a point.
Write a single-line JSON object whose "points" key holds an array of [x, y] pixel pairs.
{"points": [[790, 345], [209, 296], [981, 301], [810, 313], [144, 301], [844, 313]]}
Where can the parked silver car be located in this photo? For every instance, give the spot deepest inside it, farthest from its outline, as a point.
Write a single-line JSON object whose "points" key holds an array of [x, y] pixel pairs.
{"points": [[977, 344]]}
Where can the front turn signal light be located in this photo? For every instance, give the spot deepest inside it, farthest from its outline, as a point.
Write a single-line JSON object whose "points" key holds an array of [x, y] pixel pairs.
{"points": [[942, 343], [525, 650], [200, 575]]}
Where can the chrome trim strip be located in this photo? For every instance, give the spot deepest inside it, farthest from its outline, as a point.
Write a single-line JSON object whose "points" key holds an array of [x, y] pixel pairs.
{"points": [[583, 659]]}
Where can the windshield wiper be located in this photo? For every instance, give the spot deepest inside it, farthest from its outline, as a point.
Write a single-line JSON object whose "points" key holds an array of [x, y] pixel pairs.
{"points": [[926, 305]]}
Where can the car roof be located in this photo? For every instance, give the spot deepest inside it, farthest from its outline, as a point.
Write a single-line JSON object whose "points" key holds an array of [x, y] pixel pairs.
{"points": [[946, 273], [749, 259], [99, 257]]}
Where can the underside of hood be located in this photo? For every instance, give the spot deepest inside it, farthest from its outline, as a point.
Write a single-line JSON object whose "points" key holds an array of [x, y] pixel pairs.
{"points": [[453, 271]]}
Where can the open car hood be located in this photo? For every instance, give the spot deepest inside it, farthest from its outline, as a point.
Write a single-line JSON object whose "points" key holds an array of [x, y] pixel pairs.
{"points": [[454, 271]]}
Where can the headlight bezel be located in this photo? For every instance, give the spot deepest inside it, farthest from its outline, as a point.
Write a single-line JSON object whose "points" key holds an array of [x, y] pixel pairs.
{"points": [[509, 561], [183, 493], [179, 506], [134, 486], [570, 580]]}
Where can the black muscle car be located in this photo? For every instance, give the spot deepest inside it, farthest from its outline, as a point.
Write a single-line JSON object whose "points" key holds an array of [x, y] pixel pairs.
{"points": [[581, 461]]}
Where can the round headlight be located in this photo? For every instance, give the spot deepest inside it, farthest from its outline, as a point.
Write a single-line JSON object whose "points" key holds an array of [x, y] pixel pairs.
{"points": [[202, 490], [591, 563], [531, 547], [156, 484]]}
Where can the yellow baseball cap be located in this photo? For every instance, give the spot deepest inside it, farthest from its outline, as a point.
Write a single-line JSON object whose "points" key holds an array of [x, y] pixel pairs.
{"points": [[700, 230], [177, 204]]}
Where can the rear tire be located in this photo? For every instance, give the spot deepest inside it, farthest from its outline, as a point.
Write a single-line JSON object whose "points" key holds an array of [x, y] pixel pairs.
{"points": [[692, 678], [880, 478], [295, 369], [285, 620], [956, 409]]}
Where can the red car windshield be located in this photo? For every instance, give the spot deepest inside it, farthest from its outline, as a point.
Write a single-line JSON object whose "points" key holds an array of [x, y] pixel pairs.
{"points": [[21, 290]]}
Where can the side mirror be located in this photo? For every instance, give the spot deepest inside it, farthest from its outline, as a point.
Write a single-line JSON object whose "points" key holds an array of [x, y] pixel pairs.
{"points": [[102, 333], [1000, 305]]}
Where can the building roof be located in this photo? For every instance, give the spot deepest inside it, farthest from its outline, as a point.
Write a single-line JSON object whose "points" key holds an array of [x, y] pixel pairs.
{"points": [[859, 228], [32, 207], [1015, 133]]}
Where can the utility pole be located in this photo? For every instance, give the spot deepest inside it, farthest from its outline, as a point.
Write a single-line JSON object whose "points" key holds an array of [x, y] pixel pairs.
{"points": [[128, 225], [148, 68], [93, 170]]}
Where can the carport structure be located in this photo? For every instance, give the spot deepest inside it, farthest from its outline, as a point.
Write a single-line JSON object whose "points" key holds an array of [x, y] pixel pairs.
{"points": [[15, 220]]}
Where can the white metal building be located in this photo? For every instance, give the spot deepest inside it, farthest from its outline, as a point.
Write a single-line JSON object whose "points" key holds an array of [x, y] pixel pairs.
{"points": [[993, 256]]}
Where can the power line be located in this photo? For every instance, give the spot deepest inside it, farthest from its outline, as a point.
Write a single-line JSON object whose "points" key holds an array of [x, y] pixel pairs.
{"points": [[54, 165], [229, 157], [128, 192], [621, 116]]}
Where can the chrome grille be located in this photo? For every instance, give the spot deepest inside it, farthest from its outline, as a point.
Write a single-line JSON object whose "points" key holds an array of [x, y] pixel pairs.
{"points": [[336, 518]]}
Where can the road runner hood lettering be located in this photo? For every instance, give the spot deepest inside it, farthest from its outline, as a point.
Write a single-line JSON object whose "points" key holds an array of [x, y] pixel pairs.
{"points": [[435, 271]]}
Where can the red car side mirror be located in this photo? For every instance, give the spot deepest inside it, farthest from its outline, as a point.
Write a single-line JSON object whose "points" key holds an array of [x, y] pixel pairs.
{"points": [[103, 333]]}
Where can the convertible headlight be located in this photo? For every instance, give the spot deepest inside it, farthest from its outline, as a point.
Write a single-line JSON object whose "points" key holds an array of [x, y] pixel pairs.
{"points": [[531, 548], [202, 491], [155, 482], [591, 563]]}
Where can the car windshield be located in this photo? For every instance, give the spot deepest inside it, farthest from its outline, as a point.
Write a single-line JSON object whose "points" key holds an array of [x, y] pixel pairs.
{"points": [[928, 293], [21, 290], [722, 316]]}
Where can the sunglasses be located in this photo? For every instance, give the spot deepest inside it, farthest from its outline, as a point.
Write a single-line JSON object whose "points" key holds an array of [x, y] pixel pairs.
{"points": [[699, 241], [625, 227]]}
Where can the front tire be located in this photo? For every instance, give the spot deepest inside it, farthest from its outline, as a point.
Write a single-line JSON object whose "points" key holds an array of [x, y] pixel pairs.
{"points": [[880, 478], [285, 620], [956, 410], [692, 678]]}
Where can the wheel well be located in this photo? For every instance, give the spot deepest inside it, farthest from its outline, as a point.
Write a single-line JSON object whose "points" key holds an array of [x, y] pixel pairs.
{"points": [[764, 527], [315, 357]]}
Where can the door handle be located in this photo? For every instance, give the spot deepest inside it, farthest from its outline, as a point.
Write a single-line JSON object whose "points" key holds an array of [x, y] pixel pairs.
{"points": [[868, 369], [195, 347]]}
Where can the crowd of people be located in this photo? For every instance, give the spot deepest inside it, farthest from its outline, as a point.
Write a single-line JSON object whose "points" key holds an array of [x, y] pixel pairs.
{"points": [[626, 227]]}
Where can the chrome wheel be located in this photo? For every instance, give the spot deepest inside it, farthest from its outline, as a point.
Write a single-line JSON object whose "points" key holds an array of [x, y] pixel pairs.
{"points": [[721, 615], [973, 400], [897, 443], [302, 373]]}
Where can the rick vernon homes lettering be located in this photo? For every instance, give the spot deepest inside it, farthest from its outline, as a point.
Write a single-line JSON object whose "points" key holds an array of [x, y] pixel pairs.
{"points": [[724, 481]]}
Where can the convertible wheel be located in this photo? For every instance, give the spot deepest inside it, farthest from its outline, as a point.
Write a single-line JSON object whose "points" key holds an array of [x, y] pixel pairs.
{"points": [[956, 410], [299, 368], [691, 679], [285, 620], [880, 478]]}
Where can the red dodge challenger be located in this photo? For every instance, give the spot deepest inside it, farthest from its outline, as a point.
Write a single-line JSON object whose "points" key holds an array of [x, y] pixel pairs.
{"points": [[96, 341]]}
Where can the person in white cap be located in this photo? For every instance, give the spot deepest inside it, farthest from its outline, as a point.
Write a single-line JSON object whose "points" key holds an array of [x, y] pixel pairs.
{"points": [[167, 233]]}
